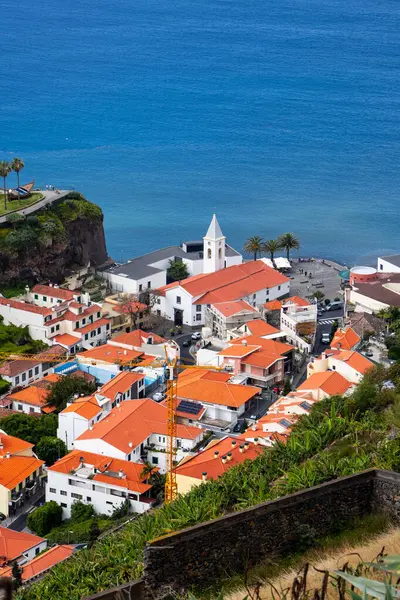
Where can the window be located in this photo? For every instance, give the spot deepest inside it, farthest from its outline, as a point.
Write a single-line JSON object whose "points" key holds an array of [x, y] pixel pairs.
{"points": [[86, 336], [57, 328], [76, 496], [88, 499], [78, 299], [154, 460], [140, 287], [44, 298], [20, 407], [198, 317], [178, 299], [279, 287], [63, 505], [30, 373], [93, 333], [209, 253], [198, 307], [63, 493], [108, 502], [158, 301], [83, 321], [98, 330], [36, 370], [23, 377], [219, 252], [36, 296], [52, 330], [158, 312], [148, 285], [98, 315], [53, 491], [31, 409], [37, 550], [17, 380], [107, 326]]}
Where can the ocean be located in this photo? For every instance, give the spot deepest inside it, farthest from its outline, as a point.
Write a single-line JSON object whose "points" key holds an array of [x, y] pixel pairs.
{"points": [[277, 115]]}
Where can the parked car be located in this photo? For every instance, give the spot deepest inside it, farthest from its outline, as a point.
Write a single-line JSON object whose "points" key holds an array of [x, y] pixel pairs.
{"points": [[334, 306], [368, 353], [238, 427], [325, 338], [2, 516], [186, 343], [158, 396], [196, 335]]}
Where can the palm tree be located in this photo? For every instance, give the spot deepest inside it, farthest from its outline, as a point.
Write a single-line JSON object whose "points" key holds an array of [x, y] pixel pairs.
{"points": [[289, 242], [254, 245], [4, 172], [17, 165], [272, 246]]}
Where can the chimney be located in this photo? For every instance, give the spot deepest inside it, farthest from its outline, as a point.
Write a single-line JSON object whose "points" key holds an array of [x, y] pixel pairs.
{"points": [[323, 355], [130, 445], [229, 455], [8, 455], [246, 445], [216, 454], [125, 352], [204, 476], [256, 441], [91, 427], [339, 345], [223, 460], [244, 342], [121, 474], [254, 427], [241, 448], [233, 443]]}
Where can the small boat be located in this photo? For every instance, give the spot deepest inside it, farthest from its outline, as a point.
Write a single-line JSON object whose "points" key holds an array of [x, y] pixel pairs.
{"points": [[24, 191]]}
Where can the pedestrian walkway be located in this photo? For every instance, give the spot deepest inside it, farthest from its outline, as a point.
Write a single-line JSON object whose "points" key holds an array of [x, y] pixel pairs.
{"points": [[50, 196], [328, 321]]}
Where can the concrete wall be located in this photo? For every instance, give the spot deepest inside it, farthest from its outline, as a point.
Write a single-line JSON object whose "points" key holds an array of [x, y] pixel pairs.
{"points": [[385, 266]]}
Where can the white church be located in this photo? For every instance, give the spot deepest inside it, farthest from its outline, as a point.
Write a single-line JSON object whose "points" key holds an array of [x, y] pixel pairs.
{"points": [[149, 271]]}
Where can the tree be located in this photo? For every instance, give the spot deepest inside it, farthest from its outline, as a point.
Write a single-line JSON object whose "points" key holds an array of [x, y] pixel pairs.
{"points": [[254, 246], [44, 518], [66, 387], [133, 308], [25, 238], [81, 512], [289, 242], [122, 510], [177, 271], [287, 387], [15, 219], [333, 330], [271, 246], [318, 295], [94, 531], [50, 449], [4, 172], [16, 572], [17, 165], [29, 428]]}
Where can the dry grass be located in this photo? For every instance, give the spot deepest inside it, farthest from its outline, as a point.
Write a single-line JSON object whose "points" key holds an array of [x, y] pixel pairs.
{"points": [[331, 561]]}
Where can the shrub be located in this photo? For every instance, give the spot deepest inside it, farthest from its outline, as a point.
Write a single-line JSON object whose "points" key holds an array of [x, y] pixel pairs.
{"points": [[43, 519], [65, 388], [22, 239], [50, 449], [78, 533], [81, 512], [29, 428]]}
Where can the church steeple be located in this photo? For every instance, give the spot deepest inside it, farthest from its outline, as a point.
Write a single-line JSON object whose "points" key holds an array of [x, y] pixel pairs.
{"points": [[214, 248]]}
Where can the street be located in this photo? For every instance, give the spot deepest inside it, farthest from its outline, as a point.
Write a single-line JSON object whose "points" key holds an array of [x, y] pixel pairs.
{"points": [[325, 322]]}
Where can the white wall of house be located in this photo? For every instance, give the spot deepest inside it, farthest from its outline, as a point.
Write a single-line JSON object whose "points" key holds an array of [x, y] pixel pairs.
{"points": [[207, 358], [344, 369], [385, 266], [158, 456], [24, 318], [365, 304], [71, 425], [32, 552], [98, 446], [29, 376], [26, 408], [66, 489]]}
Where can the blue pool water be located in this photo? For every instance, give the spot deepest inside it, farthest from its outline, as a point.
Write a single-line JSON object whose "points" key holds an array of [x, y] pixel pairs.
{"points": [[279, 115]]}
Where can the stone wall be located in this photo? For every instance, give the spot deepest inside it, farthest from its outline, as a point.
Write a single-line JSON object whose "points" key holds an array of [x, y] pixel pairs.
{"points": [[201, 555]]}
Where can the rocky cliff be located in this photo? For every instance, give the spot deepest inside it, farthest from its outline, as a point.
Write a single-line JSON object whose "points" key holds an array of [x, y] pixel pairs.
{"points": [[52, 242]]}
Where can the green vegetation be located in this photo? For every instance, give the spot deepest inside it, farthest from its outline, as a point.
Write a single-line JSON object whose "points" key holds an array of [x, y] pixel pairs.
{"points": [[50, 449], [288, 242], [13, 290], [257, 246], [23, 203], [66, 387], [82, 532], [340, 436], [29, 428], [392, 318], [17, 340], [44, 518], [177, 271]]}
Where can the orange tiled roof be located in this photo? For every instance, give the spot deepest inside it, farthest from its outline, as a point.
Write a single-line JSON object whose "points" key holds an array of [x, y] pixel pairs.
{"points": [[355, 360], [268, 345], [120, 384], [53, 292], [259, 327], [13, 445], [277, 304], [86, 407], [110, 354], [41, 564], [33, 395], [330, 382], [107, 468], [14, 543], [207, 462], [233, 283], [137, 338], [239, 351], [216, 392], [345, 339], [228, 309], [94, 325], [16, 469], [18, 304], [66, 339], [133, 422]]}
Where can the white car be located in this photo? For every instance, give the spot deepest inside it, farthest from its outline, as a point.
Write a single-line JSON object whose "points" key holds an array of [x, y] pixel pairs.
{"points": [[158, 396], [196, 335], [325, 338]]}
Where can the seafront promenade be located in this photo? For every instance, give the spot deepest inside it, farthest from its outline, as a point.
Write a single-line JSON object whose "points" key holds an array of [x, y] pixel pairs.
{"points": [[48, 198]]}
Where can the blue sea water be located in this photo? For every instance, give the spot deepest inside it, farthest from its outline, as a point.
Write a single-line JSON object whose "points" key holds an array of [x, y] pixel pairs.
{"points": [[278, 115]]}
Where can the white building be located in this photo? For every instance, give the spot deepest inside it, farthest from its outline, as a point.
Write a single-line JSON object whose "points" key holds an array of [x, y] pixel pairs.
{"points": [[149, 272], [389, 264], [185, 302], [348, 363], [25, 372], [103, 481], [20, 546], [299, 323], [83, 413], [224, 316], [136, 431]]}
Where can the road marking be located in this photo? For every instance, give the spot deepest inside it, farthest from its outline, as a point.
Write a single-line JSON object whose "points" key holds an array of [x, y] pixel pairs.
{"points": [[326, 321]]}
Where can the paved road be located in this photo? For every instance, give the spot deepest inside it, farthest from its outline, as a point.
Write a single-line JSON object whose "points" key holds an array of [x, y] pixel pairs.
{"points": [[325, 323], [49, 198]]}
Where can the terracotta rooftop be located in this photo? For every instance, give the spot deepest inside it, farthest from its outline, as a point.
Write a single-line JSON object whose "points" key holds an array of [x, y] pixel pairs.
{"points": [[207, 462], [238, 351], [277, 304], [216, 392], [18, 304], [130, 423], [66, 339], [12, 445], [137, 338], [228, 309], [86, 407], [120, 384], [345, 339], [259, 327], [110, 354], [33, 395], [54, 292], [91, 326], [16, 469], [14, 543], [330, 382], [355, 360]]}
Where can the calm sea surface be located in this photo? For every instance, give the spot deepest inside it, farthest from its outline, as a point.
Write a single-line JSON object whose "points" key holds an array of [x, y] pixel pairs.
{"points": [[277, 115]]}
